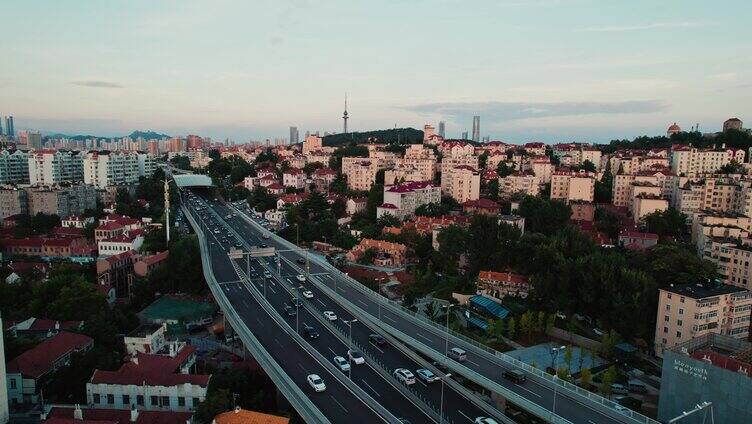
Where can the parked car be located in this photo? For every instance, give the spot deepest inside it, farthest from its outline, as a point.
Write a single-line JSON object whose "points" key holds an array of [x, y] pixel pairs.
{"points": [[356, 357], [300, 261], [267, 274], [628, 401], [342, 363], [619, 389], [316, 382], [515, 375], [404, 376], [290, 311], [426, 375], [331, 316]]}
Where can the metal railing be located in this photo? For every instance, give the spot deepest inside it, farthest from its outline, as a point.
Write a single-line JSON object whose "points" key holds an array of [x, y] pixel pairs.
{"points": [[569, 390]]}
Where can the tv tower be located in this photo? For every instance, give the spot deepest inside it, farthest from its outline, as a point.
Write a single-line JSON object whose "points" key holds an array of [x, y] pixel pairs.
{"points": [[344, 116]]}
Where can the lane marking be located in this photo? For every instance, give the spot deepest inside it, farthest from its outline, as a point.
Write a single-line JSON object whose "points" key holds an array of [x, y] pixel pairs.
{"points": [[465, 415], [362, 303], [330, 350], [474, 363], [337, 402], [424, 337], [388, 317], [369, 386], [530, 391], [321, 303]]}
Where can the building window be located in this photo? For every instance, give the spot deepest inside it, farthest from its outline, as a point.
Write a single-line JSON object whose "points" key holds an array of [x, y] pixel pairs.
{"points": [[665, 329], [681, 311], [165, 401], [140, 400], [678, 334], [680, 323], [126, 400], [154, 400], [110, 399], [665, 318], [12, 383], [95, 396], [181, 401], [196, 401]]}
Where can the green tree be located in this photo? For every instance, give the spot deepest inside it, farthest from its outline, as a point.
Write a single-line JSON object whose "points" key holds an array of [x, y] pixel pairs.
{"points": [[540, 323], [367, 257], [586, 377], [568, 356], [607, 379], [511, 330], [504, 170], [544, 216], [668, 223]]}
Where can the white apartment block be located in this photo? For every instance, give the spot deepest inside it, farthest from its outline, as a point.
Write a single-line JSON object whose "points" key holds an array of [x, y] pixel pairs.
{"points": [[633, 161], [645, 204], [733, 259], [403, 173], [294, 178], [402, 200], [710, 225], [108, 168], [461, 183], [689, 161], [622, 184], [48, 167], [360, 172], [14, 167], [573, 186], [449, 163], [692, 310], [519, 182], [541, 167]]}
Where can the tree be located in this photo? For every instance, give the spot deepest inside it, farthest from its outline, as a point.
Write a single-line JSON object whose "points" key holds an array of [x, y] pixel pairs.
{"points": [[511, 330], [668, 223], [540, 323], [544, 216], [588, 166], [568, 356], [367, 257], [609, 341], [504, 170], [607, 379], [451, 247], [586, 377]]}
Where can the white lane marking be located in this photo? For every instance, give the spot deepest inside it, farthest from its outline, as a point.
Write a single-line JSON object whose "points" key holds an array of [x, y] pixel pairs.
{"points": [[389, 318], [529, 391], [369, 386], [474, 363], [377, 348], [321, 303], [301, 366], [278, 342], [465, 415], [591, 422], [362, 303], [333, 352], [424, 337], [337, 402], [421, 382]]}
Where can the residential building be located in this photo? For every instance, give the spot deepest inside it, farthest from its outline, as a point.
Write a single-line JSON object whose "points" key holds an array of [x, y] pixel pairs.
{"points": [[146, 338], [76, 414], [689, 161], [387, 254], [242, 416], [582, 211], [356, 205], [106, 168], [49, 167], [145, 265], [542, 168], [61, 200], [461, 183], [707, 225], [360, 173], [513, 220], [712, 368], [402, 200], [688, 311], [573, 185], [637, 240], [27, 374], [14, 167], [130, 240], [500, 284], [13, 201], [294, 178], [623, 184], [156, 381], [481, 206], [646, 203], [42, 329], [116, 271], [519, 182], [75, 221]]}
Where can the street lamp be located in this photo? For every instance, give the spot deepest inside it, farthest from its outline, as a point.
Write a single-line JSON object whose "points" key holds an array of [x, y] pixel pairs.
{"points": [[297, 308], [555, 354], [446, 343], [441, 408], [380, 281], [349, 361]]}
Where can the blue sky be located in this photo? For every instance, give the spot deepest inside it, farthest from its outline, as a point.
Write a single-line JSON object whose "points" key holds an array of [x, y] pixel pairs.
{"points": [[588, 70]]}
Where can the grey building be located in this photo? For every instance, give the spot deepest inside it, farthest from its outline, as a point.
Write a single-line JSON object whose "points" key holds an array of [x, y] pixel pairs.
{"points": [[711, 368], [14, 167], [63, 200], [442, 128], [476, 128], [13, 201], [294, 135]]}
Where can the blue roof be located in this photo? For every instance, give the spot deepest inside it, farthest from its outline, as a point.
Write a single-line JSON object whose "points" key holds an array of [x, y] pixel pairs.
{"points": [[489, 306], [626, 347], [478, 322]]}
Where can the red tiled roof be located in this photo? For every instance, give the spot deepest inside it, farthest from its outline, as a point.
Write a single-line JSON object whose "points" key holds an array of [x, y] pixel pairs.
{"points": [[388, 206], [502, 276], [32, 242], [156, 258], [324, 171], [63, 415], [275, 186], [153, 370], [61, 242], [410, 186], [110, 226], [68, 231], [639, 235], [39, 360], [481, 203]]}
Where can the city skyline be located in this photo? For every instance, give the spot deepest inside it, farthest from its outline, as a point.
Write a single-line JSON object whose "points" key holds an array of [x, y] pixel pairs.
{"points": [[596, 73]]}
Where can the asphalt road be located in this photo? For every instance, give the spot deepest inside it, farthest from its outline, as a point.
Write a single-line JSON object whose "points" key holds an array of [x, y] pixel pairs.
{"points": [[570, 408]]}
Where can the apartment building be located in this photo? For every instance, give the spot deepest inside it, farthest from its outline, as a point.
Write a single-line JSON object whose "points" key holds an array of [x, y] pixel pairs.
{"points": [[420, 158], [461, 183], [644, 204], [294, 178], [61, 200], [631, 161], [689, 311], [13, 201], [14, 167], [689, 161], [541, 167], [360, 173], [708, 225], [388, 254], [519, 182], [733, 258], [623, 186], [108, 168], [575, 154], [402, 200], [501, 284], [48, 167], [573, 185]]}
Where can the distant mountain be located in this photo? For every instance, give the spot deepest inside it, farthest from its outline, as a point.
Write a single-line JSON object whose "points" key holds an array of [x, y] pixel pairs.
{"points": [[394, 135], [148, 135]]}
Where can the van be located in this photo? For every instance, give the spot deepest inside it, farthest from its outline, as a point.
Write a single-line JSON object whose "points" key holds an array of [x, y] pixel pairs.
{"points": [[619, 389], [515, 375], [637, 386], [457, 354]]}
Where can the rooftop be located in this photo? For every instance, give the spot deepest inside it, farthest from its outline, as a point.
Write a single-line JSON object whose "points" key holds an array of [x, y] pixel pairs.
{"points": [[704, 290], [40, 359], [242, 416]]}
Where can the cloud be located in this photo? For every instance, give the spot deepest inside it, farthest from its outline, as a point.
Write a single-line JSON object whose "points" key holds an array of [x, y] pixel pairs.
{"points": [[511, 111], [643, 27], [97, 84]]}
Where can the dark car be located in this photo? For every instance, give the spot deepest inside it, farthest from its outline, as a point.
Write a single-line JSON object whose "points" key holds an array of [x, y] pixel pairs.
{"points": [[290, 311], [296, 302], [377, 339], [515, 375], [628, 402], [264, 246], [300, 261], [310, 332]]}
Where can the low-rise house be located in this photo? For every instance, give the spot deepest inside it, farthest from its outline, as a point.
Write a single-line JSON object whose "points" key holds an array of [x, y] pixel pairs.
{"points": [[481, 206], [131, 240], [117, 271], [500, 284], [40, 328], [637, 240], [388, 254], [355, 205], [76, 221], [144, 265], [27, 374], [75, 414], [514, 220], [294, 178], [242, 416], [402, 200]]}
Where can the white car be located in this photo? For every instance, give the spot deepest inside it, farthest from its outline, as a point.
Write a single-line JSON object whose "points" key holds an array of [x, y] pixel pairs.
{"points": [[316, 382], [342, 363], [331, 316], [308, 294], [404, 376], [485, 420], [301, 278], [356, 357]]}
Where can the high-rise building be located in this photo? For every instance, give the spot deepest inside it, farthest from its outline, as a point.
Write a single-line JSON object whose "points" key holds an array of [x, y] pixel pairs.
{"points": [[48, 167], [294, 135], [476, 128], [464, 135], [9, 130], [442, 128], [35, 139]]}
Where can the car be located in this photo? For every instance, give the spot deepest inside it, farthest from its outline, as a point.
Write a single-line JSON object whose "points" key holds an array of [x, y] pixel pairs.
{"points": [[441, 367], [290, 311], [263, 246], [238, 245], [316, 382], [342, 363], [254, 274], [310, 332], [598, 331], [621, 408], [331, 316], [295, 301], [377, 339], [515, 375], [426, 376], [300, 261], [404, 376], [265, 236], [267, 274], [356, 357], [300, 278], [485, 420], [308, 294]]}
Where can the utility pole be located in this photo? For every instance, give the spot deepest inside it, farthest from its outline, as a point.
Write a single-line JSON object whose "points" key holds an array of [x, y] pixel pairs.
{"points": [[167, 208]]}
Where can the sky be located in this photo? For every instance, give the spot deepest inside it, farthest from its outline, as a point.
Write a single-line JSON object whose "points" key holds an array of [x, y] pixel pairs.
{"points": [[566, 70]]}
